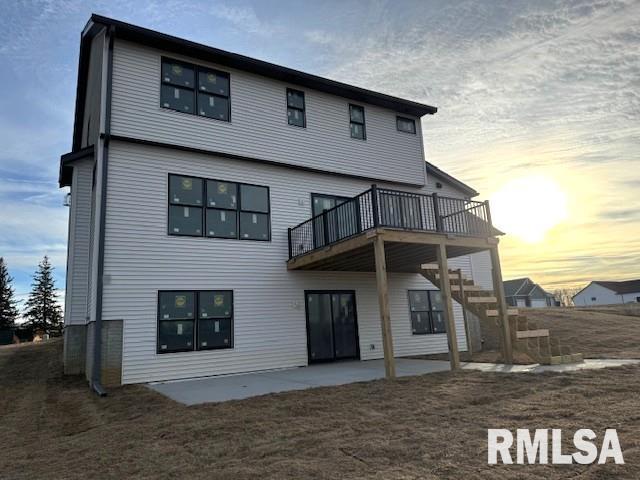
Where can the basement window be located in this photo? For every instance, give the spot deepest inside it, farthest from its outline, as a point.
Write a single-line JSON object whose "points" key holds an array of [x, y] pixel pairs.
{"points": [[407, 125], [194, 320], [193, 89], [427, 315], [356, 122], [215, 319], [296, 108], [176, 315]]}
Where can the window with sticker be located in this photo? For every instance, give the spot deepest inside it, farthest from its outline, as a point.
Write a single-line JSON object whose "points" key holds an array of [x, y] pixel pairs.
{"points": [[427, 312], [194, 320], [196, 90], [218, 209]]}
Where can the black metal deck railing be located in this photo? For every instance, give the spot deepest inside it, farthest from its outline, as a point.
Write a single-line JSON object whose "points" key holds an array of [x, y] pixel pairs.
{"points": [[381, 207]]}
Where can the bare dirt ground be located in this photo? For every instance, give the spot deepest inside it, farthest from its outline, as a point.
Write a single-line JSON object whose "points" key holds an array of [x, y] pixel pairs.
{"points": [[426, 427]]}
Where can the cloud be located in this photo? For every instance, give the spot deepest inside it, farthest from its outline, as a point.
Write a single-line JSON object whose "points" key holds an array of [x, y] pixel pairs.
{"points": [[550, 88], [243, 18]]}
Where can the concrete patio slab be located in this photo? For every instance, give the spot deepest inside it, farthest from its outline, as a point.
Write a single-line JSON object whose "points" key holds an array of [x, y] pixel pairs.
{"points": [[236, 387]]}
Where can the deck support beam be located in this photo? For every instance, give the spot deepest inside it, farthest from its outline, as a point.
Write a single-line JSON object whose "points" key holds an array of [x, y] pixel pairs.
{"points": [[498, 288], [445, 291], [463, 298], [383, 300]]}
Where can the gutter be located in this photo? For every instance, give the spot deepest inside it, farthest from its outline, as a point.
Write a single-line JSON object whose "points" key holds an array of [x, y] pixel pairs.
{"points": [[96, 384]]}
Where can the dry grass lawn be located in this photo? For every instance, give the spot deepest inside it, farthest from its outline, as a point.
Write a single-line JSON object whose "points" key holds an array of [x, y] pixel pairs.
{"points": [[602, 332], [426, 427]]}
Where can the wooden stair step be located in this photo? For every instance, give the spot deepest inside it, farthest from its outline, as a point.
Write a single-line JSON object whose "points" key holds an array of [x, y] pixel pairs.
{"points": [[551, 360], [467, 288], [555, 360], [532, 333], [429, 266], [495, 313], [482, 299]]}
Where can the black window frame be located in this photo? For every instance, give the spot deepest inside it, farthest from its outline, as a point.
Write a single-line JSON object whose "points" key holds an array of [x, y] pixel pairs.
{"points": [[327, 195], [205, 207], [406, 119], [195, 320], [430, 310], [303, 109], [197, 69], [171, 203], [362, 124], [192, 320]]}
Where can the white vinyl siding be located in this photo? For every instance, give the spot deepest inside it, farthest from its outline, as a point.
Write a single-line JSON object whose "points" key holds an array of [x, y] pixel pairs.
{"points": [[258, 126], [269, 313], [538, 303], [79, 244], [481, 266], [602, 295]]}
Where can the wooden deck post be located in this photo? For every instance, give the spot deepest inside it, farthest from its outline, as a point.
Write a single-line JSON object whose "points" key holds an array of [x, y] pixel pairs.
{"points": [[383, 300], [498, 288], [445, 291], [463, 304]]}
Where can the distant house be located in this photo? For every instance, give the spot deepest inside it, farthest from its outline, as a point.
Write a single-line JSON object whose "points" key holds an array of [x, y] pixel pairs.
{"points": [[608, 293], [523, 292]]}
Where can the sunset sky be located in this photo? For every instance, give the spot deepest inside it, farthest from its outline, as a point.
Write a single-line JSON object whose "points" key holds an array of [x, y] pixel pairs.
{"points": [[539, 109]]}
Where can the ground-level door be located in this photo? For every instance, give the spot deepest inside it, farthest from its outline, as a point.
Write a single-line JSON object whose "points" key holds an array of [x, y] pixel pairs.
{"points": [[332, 326]]}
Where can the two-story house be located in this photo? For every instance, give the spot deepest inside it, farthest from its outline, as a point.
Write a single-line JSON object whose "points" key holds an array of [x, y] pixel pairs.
{"points": [[231, 215]]}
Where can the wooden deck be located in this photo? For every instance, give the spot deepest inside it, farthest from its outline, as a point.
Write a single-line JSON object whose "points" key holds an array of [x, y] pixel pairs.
{"points": [[382, 230], [405, 251]]}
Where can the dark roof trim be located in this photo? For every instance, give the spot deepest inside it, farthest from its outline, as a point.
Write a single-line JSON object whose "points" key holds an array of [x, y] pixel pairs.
{"points": [[620, 288], [442, 175], [66, 164], [134, 33], [216, 153], [90, 31]]}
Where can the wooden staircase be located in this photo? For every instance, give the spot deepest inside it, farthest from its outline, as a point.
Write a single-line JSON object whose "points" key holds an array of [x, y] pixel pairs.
{"points": [[526, 337]]}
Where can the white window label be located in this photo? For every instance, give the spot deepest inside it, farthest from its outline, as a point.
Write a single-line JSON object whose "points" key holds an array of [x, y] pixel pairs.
{"points": [[179, 329], [254, 218], [211, 102], [216, 326], [176, 94], [223, 216], [186, 212]]}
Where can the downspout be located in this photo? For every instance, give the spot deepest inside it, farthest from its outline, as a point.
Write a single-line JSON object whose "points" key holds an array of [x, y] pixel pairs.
{"points": [[96, 383]]}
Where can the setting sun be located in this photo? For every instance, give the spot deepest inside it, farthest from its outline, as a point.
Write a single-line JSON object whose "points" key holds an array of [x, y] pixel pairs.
{"points": [[528, 207]]}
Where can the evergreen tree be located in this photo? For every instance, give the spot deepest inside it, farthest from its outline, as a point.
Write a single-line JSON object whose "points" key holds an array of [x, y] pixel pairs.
{"points": [[8, 310], [41, 308]]}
